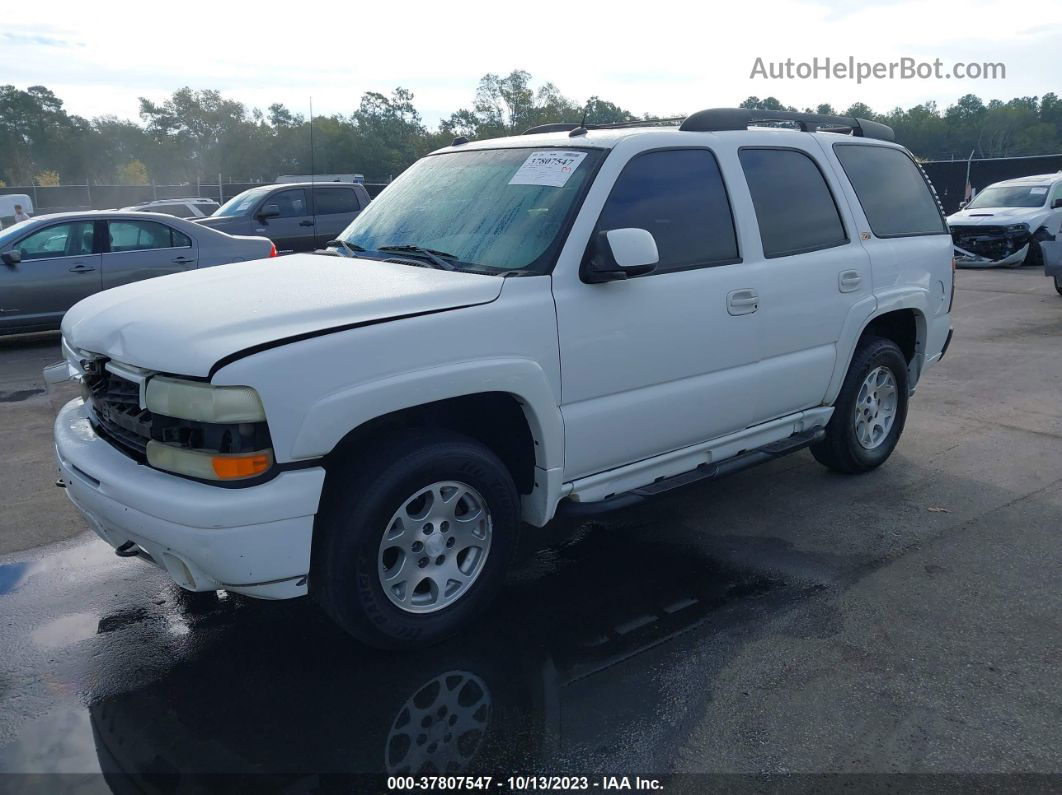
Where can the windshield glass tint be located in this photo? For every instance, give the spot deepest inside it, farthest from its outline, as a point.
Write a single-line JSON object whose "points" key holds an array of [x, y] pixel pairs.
{"points": [[1010, 196], [241, 203], [479, 206]]}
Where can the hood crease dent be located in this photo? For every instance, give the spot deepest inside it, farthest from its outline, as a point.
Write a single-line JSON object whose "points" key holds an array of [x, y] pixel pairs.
{"points": [[187, 323]]}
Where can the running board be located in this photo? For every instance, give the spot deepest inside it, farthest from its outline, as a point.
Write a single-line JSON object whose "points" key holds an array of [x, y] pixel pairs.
{"points": [[570, 509]]}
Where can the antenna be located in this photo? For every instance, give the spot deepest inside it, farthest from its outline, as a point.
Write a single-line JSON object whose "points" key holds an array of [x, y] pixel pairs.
{"points": [[312, 169], [586, 108]]}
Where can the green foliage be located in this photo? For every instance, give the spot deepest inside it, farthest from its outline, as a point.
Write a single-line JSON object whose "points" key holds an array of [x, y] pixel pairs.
{"points": [[198, 134]]}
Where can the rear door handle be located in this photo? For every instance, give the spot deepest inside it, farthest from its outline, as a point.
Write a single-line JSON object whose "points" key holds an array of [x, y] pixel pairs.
{"points": [[81, 268], [849, 281], [305, 223], [184, 260], [742, 302]]}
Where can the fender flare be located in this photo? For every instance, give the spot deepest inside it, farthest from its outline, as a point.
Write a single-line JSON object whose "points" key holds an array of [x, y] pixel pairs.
{"points": [[862, 314], [332, 417]]}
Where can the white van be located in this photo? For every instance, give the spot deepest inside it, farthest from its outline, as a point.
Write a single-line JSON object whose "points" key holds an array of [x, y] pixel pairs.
{"points": [[7, 207]]}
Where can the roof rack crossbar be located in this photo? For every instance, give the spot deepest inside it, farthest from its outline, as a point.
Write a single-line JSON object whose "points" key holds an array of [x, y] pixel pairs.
{"points": [[720, 119]]}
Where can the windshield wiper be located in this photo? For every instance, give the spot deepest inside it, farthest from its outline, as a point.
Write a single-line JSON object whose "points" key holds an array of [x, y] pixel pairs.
{"points": [[352, 249], [433, 256]]}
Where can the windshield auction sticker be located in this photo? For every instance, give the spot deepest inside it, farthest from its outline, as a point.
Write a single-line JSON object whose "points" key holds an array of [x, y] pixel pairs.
{"points": [[551, 168]]}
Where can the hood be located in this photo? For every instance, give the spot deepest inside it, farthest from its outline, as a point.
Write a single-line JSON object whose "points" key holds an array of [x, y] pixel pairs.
{"points": [[998, 216], [186, 322]]}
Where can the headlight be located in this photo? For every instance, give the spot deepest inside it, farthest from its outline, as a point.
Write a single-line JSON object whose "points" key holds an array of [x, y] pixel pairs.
{"points": [[205, 431], [206, 465], [1018, 228], [196, 400]]}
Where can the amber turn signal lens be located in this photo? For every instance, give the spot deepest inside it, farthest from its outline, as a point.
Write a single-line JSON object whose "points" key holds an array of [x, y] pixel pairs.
{"points": [[240, 466]]}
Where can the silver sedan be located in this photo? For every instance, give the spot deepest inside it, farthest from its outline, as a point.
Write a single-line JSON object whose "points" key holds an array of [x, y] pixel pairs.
{"points": [[49, 263]]}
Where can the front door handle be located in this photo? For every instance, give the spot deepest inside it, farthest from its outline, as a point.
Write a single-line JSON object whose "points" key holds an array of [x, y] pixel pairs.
{"points": [[184, 260], [81, 268], [305, 223], [742, 302], [849, 281]]}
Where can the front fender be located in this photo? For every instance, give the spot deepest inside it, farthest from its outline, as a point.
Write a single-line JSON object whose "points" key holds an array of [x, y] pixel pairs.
{"points": [[333, 416]]}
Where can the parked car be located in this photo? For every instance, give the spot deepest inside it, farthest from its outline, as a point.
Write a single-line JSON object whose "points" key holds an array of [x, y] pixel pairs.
{"points": [[1012, 223], [561, 323], [191, 208], [297, 217], [8, 202], [51, 262]]}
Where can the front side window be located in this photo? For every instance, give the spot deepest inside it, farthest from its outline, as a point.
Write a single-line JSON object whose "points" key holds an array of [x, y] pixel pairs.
{"points": [[333, 201], [62, 240], [678, 195], [896, 198], [794, 207], [144, 236], [504, 209], [291, 203]]}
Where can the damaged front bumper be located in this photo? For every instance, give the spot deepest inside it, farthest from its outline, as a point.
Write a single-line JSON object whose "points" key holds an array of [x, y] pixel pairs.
{"points": [[991, 246]]}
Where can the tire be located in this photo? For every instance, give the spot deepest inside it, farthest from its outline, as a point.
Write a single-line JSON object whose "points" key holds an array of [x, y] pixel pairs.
{"points": [[841, 450], [403, 487], [1058, 284], [1035, 257]]}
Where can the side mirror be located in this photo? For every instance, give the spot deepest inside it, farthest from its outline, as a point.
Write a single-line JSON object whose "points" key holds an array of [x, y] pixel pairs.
{"points": [[12, 257], [1056, 204], [619, 254], [269, 211], [962, 204]]}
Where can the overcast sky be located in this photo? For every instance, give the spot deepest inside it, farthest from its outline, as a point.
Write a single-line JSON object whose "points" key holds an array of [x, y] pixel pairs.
{"points": [[663, 58]]}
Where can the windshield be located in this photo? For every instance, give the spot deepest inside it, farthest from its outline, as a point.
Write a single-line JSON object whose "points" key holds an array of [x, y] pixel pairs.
{"points": [[1010, 196], [241, 203], [494, 208]]}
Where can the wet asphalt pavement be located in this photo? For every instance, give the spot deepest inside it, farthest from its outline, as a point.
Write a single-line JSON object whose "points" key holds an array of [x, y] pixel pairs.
{"points": [[784, 621]]}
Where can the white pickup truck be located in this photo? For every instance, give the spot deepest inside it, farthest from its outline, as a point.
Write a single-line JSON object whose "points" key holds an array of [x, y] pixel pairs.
{"points": [[567, 321]]}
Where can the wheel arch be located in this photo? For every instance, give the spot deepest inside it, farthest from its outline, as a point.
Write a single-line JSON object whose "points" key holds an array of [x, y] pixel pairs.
{"points": [[904, 323]]}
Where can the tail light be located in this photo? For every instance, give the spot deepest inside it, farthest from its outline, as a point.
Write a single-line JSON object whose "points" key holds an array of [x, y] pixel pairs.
{"points": [[273, 253]]}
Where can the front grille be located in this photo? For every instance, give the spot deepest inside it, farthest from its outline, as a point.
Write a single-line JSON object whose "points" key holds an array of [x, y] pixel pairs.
{"points": [[117, 414]]}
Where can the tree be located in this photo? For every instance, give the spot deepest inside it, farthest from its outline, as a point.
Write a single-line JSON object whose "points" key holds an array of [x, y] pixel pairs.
{"points": [[47, 179], [133, 173]]}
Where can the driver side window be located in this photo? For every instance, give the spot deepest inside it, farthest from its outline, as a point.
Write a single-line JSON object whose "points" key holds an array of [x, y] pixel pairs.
{"points": [[291, 203], [62, 240]]}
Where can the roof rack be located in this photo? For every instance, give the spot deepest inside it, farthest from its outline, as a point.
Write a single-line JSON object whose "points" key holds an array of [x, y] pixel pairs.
{"points": [[719, 119], [570, 127]]}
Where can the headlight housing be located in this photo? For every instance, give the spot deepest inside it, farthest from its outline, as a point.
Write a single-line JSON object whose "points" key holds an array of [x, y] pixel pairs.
{"points": [[1018, 229], [207, 432], [203, 402]]}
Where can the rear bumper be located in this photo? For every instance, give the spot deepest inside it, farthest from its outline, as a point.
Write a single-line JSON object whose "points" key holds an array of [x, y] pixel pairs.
{"points": [[254, 540]]}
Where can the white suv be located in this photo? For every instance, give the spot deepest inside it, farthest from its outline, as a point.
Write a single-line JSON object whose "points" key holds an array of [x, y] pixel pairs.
{"points": [[568, 321]]}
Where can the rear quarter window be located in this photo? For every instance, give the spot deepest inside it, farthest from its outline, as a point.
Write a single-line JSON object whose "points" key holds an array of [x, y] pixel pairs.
{"points": [[896, 198]]}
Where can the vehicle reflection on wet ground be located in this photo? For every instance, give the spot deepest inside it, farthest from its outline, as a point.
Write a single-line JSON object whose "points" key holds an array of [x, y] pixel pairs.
{"points": [[580, 663]]}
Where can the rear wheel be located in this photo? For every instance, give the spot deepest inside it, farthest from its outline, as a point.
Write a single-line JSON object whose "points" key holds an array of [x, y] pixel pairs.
{"points": [[870, 410], [416, 541], [1058, 284]]}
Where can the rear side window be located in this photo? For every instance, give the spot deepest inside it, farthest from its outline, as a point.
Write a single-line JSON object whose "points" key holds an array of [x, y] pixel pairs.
{"points": [[679, 196], [144, 236], [794, 207], [895, 196], [332, 201]]}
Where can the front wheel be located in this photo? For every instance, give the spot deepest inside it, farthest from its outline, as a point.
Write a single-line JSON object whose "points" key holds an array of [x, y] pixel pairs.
{"points": [[415, 539], [1058, 284], [869, 412]]}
